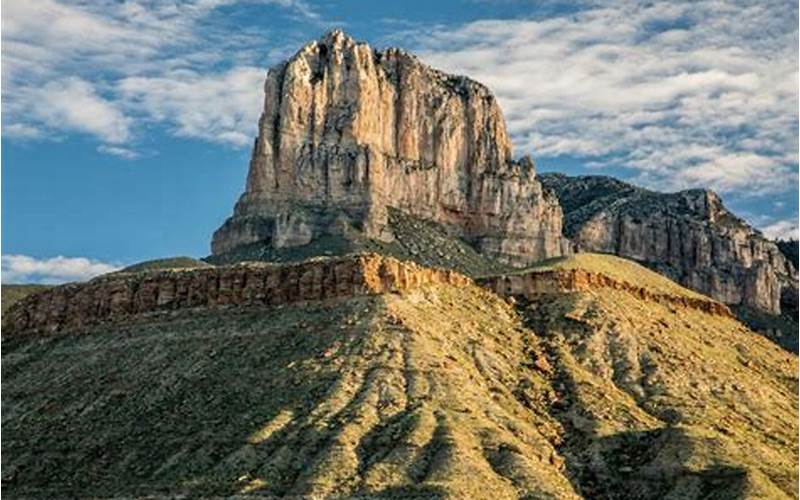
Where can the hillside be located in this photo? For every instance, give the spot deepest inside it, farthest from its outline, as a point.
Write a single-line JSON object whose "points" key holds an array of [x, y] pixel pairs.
{"points": [[13, 293], [414, 239], [419, 384], [689, 236], [166, 263]]}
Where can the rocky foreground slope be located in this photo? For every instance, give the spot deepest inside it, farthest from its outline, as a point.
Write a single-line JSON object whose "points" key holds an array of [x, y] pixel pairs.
{"points": [[590, 377], [348, 132]]}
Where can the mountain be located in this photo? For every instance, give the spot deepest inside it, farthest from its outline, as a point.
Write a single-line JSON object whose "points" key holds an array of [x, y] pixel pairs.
{"points": [[364, 376], [395, 311], [355, 146], [688, 236], [348, 132]]}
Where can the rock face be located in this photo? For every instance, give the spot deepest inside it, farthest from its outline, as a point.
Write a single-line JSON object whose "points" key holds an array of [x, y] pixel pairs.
{"points": [[120, 296], [690, 236], [533, 284], [347, 131]]}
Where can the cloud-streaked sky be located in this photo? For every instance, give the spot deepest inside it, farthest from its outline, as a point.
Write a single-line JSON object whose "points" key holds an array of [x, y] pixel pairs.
{"points": [[126, 126]]}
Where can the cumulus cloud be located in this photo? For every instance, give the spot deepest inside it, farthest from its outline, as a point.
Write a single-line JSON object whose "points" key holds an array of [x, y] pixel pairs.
{"points": [[686, 93], [74, 103], [26, 269], [72, 66], [220, 107]]}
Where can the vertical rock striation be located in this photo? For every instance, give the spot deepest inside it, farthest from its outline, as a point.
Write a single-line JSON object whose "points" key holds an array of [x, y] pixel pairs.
{"points": [[689, 236], [347, 131]]}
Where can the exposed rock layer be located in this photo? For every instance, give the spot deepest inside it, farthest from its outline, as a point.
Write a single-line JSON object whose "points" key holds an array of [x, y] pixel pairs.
{"points": [[120, 296], [348, 131], [689, 236], [533, 284], [444, 392]]}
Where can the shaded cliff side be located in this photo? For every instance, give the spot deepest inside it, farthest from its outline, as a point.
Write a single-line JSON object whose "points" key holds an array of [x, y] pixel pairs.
{"points": [[347, 132]]}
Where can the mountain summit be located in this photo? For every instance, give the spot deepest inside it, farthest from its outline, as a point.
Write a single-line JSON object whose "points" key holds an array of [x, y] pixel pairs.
{"points": [[348, 133], [365, 150]]}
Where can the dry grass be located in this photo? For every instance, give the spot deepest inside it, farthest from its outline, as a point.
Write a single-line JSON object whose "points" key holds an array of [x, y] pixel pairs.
{"points": [[444, 392], [14, 293]]}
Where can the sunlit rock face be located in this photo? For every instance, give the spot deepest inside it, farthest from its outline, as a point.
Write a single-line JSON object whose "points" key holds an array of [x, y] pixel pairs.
{"points": [[689, 236], [348, 131]]}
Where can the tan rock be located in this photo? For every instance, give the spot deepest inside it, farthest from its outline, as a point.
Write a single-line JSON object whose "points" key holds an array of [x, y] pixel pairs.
{"points": [[347, 131], [689, 236], [123, 296]]}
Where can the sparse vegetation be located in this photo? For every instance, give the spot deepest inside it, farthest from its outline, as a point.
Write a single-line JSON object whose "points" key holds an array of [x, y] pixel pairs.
{"points": [[782, 329], [441, 392], [167, 263], [12, 293], [422, 241], [617, 268]]}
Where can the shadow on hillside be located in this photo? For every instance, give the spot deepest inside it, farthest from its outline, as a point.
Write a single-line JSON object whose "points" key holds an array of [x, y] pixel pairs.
{"points": [[632, 465], [170, 406], [645, 465]]}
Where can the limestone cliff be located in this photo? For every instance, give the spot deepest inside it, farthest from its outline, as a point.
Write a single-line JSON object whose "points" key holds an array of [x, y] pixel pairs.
{"points": [[690, 236], [119, 297], [347, 132]]}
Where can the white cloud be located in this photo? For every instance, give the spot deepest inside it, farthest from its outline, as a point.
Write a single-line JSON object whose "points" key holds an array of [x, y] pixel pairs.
{"points": [[22, 131], [64, 60], [782, 230], [700, 93], [220, 107], [688, 93], [73, 103], [118, 151], [26, 269]]}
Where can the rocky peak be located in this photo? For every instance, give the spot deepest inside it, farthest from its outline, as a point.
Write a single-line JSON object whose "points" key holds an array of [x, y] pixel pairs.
{"points": [[704, 202], [690, 236], [348, 132]]}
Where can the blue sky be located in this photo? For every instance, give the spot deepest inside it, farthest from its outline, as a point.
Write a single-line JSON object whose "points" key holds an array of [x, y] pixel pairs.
{"points": [[126, 126]]}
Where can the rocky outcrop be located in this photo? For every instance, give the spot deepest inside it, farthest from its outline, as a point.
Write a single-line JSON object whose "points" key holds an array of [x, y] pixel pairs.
{"points": [[531, 285], [348, 131], [120, 296], [689, 236]]}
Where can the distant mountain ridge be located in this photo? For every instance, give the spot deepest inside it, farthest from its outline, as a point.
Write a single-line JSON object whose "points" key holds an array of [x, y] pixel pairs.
{"points": [[689, 235]]}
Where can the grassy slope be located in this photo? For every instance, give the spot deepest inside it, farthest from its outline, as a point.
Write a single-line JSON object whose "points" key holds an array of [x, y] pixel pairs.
{"points": [[666, 403], [386, 395], [166, 263], [443, 392]]}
